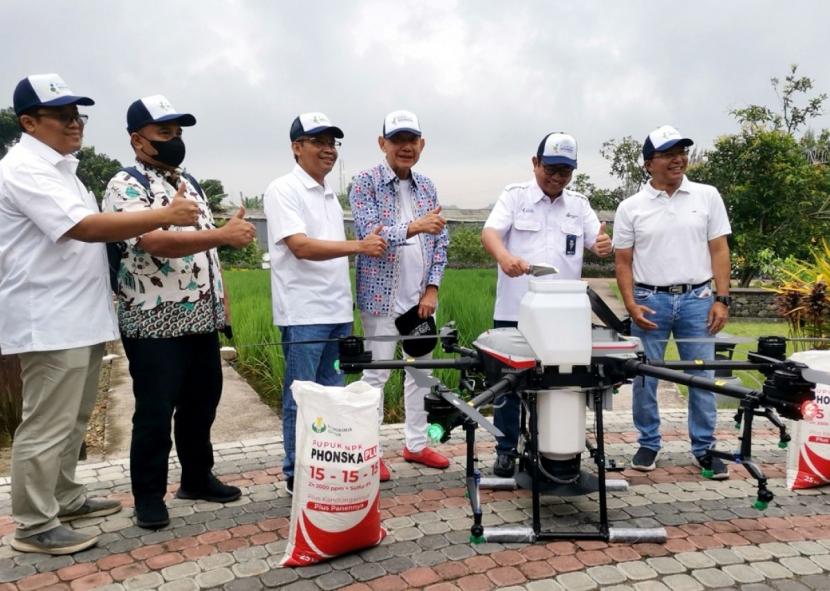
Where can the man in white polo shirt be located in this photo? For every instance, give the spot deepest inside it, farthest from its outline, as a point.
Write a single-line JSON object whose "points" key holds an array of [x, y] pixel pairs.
{"points": [[538, 221], [671, 241], [311, 295], [399, 291], [56, 311]]}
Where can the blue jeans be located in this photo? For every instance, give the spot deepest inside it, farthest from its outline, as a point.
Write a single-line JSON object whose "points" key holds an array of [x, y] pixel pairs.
{"points": [[506, 411], [684, 316], [313, 362]]}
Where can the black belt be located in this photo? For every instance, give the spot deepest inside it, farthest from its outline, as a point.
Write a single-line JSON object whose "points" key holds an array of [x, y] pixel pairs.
{"points": [[674, 289]]}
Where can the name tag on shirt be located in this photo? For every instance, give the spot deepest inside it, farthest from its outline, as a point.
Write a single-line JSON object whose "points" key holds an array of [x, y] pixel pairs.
{"points": [[570, 244]]}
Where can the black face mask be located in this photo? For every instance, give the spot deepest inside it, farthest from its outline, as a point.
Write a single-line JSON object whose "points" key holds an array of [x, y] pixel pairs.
{"points": [[170, 152]]}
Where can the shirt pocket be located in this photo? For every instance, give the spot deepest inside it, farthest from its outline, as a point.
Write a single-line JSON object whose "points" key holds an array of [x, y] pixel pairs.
{"points": [[526, 236]]}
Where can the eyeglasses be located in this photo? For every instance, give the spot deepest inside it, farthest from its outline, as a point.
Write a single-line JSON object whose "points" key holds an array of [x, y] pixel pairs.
{"points": [[320, 142], [561, 170], [669, 154], [66, 118]]}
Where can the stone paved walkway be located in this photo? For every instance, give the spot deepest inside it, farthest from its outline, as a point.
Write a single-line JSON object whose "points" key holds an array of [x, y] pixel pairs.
{"points": [[716, 539]]}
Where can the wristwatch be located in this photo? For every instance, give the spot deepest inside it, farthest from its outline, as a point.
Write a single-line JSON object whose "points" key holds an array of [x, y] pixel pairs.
{"points": [[725, 300]]}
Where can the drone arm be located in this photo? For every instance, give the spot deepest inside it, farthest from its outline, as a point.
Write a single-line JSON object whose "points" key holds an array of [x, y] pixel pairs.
{"points": [[459, 363], [638, 368], [707, 364], [508, 382]]}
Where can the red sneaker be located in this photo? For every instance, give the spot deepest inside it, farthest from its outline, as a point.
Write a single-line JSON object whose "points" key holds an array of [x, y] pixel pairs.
{"points": [[385, 476], [427, 457]]}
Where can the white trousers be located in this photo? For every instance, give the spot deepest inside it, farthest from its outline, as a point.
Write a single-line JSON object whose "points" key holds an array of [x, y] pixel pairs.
{"points": [[415, 417]]}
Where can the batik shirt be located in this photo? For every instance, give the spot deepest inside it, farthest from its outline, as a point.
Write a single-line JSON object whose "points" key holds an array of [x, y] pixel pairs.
{"points": [[161, 297]]}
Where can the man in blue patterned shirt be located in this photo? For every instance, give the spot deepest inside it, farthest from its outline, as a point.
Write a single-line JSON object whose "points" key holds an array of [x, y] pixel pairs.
{"points": [[405, 204]]}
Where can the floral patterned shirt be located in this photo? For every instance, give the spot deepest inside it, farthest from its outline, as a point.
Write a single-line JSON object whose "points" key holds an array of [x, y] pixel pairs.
{"points": [[162, 297]]}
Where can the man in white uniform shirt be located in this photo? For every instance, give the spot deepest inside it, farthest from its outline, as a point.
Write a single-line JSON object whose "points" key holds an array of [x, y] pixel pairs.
{"points": [[55, 308], [311, 293], [538, 221], [671, 241], [399, 291]]}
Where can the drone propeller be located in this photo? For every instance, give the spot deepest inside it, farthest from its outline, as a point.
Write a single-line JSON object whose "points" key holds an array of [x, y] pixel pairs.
{"points": [[816, 376], [424, 380]]}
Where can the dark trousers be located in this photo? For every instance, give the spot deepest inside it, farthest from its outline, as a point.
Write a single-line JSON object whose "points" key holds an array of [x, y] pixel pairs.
{"points": [[178, 377], [506, 411]]}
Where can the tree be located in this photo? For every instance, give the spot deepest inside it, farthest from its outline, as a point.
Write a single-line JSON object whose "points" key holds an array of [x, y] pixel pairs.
{"points": [[791, 116], [214, 193], [773, 194], [96, 170], [624, 156], [606, 199], [9, 130]]}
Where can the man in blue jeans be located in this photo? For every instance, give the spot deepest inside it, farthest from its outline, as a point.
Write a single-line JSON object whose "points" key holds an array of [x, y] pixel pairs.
{"points": [[311, 294], [671, 241]]}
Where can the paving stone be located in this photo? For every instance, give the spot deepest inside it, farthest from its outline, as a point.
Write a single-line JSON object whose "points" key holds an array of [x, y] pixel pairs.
{"points": [[576, 581], [723, 556], [180, 585], [650, 586], [213, 561], [665, 565], [53, 563], [790, 586], [397, 564], [346, 562], [779, 550], [366, 571], [819, 582], [809, 548], [757, 587], [543, 586], [458, 552], [743, 573], [333, 580], [280, 577], [250, 568], [682, 583], [430, 558], [250, 553], [606, 575], [800, 565], [713, 577], [693, 560], [772, 570], [180, 571], [752, 553], [247, 584], [145, 581], [314, 570], [637, 570], [823, 560], [214, 578]]}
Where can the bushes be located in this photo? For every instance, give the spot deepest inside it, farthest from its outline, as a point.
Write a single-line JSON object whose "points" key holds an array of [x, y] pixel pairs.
{"points": [[465, 249]]}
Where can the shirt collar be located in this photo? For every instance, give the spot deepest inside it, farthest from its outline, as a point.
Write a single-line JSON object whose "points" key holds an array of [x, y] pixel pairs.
{"points": [[538, 194], [654, 193], [171, 176], [309, 183], [388, 175], [46, 152]]}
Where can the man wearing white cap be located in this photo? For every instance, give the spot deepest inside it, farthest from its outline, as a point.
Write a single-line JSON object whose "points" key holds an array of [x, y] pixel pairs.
{"points": [[398, 293], [171, 305], [538, 221], [311, 295], [56, 308], [671, 241]]}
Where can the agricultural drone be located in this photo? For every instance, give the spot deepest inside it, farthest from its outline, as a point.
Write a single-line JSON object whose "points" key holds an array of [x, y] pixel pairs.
{"points": [[558, 362]]}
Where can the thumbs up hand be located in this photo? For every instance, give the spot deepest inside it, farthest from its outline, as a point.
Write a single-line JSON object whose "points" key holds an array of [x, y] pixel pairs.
{"points": [[431, 223], [374, 245], [602, 246], [236, 232], [182, 211]]}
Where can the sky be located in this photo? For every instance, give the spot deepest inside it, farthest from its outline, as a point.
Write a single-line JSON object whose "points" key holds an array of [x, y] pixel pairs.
{"points": [[487, 79]]}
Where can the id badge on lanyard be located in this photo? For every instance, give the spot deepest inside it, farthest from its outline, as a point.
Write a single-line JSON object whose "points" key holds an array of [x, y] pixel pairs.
{"points": [[570, 244]]}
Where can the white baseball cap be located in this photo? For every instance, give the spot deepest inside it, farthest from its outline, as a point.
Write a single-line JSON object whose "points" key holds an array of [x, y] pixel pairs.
{"points": [[312, 124], [155, 109], [557, 148], [398, 121], [661, 139]]}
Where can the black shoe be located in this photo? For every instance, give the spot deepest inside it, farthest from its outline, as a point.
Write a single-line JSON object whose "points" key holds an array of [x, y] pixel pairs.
{"points": [[505, 466], [57, 541], [289, 486], [645, 460], [712, 468], [215, 492], [151, 514]]}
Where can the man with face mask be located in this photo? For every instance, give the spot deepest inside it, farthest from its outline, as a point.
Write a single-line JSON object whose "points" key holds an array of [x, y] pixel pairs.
{"points": [[171, 305], [399, 291]]}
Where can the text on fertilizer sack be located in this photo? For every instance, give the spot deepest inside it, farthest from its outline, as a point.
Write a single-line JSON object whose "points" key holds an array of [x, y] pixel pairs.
{"points": [[333, 452], [329, 508]]}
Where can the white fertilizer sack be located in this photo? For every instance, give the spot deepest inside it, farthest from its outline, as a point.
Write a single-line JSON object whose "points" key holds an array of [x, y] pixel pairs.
{"points": [[808, 458], [336, 473]]}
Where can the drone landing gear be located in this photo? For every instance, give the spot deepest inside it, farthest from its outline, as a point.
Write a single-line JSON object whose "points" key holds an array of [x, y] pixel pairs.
{"points": [[745, 415], [531, 477]]}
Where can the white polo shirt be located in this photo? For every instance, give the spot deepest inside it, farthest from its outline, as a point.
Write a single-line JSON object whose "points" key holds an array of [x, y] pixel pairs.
{"points": [[303, 291], [54, 291], [670, 235], [540, 231]]}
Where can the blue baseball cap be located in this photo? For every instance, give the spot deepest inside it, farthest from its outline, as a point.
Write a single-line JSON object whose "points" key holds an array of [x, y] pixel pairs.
{"points": [[155, 109], [312, 124], [45, 90], [557, 148], [661, 139]]}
